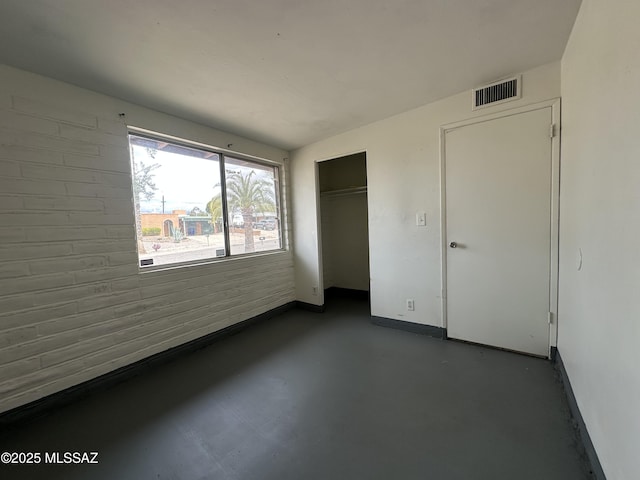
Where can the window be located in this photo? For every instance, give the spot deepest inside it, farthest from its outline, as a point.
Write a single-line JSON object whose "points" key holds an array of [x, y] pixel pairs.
{"points": [[183, 194]]}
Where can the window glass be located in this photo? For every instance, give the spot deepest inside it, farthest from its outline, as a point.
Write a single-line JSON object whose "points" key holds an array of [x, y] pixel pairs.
{"points": [[252, 199], [180, 203], [177, 219]]}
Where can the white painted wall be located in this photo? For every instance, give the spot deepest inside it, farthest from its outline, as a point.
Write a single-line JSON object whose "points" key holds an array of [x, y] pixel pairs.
{"points": [[403, 176], [73, 305], [599, 309]]}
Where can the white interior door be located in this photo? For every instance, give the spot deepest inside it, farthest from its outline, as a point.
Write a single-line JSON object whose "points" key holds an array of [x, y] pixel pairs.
{"points": [[498, 186]]}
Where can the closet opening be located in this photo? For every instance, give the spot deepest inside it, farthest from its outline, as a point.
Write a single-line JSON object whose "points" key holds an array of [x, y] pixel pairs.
{"points": [[344, 225]]}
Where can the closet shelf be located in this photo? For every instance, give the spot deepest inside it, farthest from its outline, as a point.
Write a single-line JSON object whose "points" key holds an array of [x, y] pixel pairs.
{"points": [[344, 191]]}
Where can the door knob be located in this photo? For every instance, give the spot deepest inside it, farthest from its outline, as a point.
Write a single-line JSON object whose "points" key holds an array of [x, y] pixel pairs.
{"points": [[453, 245]]}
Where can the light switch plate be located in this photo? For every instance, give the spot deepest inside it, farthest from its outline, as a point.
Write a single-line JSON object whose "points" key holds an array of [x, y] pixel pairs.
{"points": [[421, 219]]}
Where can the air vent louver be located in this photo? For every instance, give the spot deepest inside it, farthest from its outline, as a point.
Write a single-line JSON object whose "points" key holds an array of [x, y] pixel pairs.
{"points": [[503, 91]]}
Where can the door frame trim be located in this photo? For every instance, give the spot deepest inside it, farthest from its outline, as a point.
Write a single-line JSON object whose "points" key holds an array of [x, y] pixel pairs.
{"points": [[555, 106]]}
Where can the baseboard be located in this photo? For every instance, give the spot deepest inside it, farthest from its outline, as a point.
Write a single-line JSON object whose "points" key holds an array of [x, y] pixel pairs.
{"points": [[339, 292], [64, 397], [429, 330], [590, 451], [310, 306]]}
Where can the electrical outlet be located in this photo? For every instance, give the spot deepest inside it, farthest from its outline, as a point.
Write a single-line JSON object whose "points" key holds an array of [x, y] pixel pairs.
{"points": [[410, 304]]}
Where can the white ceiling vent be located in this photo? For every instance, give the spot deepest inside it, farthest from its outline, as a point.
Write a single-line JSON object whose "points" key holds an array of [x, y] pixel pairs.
{"points": [[496, 93]]}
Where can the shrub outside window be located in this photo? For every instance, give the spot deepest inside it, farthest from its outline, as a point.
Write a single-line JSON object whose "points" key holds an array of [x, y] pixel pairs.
{"points": [[194, 204]]}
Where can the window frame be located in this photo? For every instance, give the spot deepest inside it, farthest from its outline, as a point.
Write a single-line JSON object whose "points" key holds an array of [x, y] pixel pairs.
{"points": [[222, 154]]}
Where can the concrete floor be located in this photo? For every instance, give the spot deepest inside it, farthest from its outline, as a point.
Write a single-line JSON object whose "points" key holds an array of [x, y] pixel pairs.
{"points": [[318, 396]]}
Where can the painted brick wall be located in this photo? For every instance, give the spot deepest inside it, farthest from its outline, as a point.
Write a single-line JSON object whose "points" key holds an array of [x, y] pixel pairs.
{"points": [[73, 304]]}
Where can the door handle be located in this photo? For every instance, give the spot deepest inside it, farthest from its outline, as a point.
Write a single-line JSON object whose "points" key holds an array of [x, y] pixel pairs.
{"points": [[453, 245]]}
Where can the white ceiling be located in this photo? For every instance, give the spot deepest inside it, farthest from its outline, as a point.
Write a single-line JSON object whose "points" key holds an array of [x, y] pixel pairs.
{"points": [[286, 72]]}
